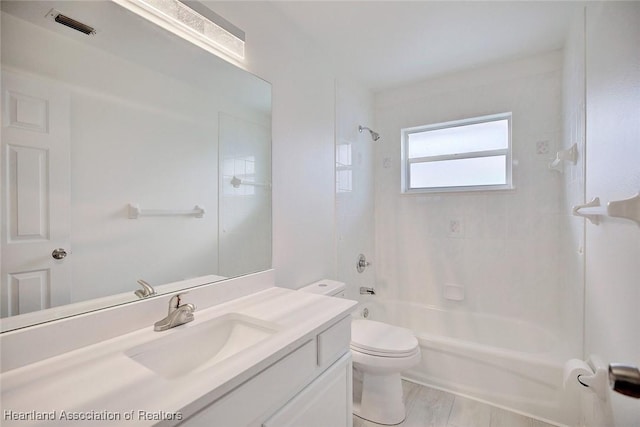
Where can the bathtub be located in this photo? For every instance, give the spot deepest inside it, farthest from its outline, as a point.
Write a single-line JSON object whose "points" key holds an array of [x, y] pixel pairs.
{"points": [[504, 362]]}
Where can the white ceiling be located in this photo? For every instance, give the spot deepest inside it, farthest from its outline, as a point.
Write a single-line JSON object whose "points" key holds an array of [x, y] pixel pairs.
{"points": [[387, 44]]}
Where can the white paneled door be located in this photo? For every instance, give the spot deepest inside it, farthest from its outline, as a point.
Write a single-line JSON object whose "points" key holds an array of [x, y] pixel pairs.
{"points": [[35, 194]]}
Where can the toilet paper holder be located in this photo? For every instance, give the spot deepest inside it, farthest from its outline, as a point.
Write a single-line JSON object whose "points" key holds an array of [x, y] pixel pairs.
{"points": [[598, 381], [622, 378]]}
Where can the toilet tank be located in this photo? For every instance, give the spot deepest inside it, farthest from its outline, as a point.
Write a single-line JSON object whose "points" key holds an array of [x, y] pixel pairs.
{"points": [[326, 287]]}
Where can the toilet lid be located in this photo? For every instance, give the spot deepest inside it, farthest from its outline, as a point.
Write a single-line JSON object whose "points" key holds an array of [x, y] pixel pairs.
{"points": [[380, 339]]}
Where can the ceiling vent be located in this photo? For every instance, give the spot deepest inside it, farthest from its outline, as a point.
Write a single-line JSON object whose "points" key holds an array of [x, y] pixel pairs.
{"points": [[70, 22]]}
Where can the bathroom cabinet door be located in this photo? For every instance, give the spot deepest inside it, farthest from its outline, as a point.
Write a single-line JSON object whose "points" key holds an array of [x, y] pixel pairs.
{"points": [[36, 193], [249, 404], [326, 402]]}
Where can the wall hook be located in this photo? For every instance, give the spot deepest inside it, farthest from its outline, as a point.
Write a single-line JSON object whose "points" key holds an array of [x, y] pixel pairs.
{"points": [[568, 155]]}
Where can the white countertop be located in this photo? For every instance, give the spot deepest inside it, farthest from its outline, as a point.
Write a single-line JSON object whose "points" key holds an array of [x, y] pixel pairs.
{"points": [[100, 381]]}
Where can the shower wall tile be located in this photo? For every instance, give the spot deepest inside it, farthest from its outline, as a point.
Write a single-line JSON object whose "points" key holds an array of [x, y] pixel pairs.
{"points": [[505, 249]]}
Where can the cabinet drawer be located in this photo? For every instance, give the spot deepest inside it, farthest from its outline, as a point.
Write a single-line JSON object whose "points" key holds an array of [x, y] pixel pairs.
{"points": [[259, 395], [334, 342]]}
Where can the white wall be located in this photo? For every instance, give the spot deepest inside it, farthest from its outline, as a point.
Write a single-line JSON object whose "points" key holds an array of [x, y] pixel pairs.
{"points": [[506, 251], [304, 244], [612, 315]]}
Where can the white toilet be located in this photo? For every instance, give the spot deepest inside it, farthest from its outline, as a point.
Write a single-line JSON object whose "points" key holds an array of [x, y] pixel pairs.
{"points": [[380, 352]]}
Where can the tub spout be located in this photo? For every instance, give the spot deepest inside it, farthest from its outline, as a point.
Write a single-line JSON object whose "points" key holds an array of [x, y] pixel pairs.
{"points": [[366, 291]]}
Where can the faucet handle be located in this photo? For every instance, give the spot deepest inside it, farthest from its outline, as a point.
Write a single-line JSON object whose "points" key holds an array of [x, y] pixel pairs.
{"points": [[362, 263], [186, 313], [188, 307], [176, 302]]}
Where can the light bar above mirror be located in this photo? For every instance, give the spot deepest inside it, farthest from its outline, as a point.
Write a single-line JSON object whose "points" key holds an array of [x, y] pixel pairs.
{"points": [[194, 22]]}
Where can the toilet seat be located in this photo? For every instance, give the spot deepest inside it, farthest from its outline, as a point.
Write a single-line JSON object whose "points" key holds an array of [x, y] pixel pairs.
{"points": [[384, 354], [382, 340]]}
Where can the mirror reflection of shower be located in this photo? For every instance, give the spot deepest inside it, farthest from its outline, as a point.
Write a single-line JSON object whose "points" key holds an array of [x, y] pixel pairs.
{"points": [[374, 135]]}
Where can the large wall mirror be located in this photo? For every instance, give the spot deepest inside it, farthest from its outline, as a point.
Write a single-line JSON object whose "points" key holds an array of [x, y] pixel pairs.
{"points": [[137, 154]]}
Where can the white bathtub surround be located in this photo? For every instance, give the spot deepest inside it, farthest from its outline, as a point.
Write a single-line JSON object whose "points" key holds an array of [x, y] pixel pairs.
{"points": [[506, 257], [519, 321], [509, 363], [68, 382]]}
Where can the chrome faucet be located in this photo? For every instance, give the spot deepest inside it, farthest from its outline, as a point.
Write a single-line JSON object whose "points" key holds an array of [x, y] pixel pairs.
{"points": [[179, 314], [366, 291], [146, 291]]}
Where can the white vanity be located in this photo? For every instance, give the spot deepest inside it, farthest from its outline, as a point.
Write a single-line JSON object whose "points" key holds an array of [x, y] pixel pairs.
{"points": [[274, 357]]}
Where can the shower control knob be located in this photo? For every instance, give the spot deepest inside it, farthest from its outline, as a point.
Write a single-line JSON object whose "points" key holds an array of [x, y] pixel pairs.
{"points": [[59, 253], [362, 263]]}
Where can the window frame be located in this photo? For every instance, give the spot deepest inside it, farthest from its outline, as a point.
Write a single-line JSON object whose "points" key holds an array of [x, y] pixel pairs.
{"points": [[507, 152]]}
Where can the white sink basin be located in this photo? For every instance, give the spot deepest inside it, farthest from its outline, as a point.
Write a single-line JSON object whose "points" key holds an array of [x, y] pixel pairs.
{"points": [[192, 348]]}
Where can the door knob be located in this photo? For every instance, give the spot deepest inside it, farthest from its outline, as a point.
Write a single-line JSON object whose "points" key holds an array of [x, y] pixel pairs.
{"points": [[59, 253]]}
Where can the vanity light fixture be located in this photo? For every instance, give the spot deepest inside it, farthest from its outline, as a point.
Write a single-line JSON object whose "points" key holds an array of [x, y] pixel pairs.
{"points": [[192, 20]]}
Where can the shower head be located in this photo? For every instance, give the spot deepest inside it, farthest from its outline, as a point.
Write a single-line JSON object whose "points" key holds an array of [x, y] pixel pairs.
{"points": [[374, 135]]}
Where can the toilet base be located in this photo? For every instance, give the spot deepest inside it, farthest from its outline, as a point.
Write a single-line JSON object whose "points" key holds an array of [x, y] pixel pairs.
{"points": [[378, 398]]}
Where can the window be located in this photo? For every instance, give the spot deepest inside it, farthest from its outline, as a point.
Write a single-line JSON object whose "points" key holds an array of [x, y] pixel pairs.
{"points": [[464, 155]]}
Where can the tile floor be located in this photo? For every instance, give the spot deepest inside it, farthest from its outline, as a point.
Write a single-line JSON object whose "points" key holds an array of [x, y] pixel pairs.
{"points": [[427, 407]]}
